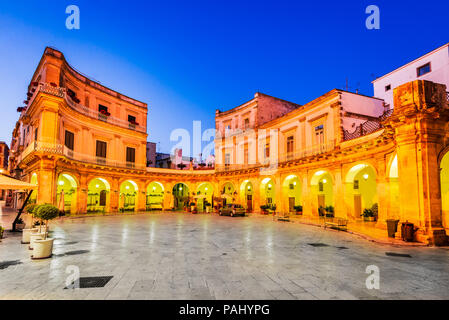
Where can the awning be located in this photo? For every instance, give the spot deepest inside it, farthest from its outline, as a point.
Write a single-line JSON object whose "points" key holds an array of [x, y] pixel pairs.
{"points": [[8, 183]]}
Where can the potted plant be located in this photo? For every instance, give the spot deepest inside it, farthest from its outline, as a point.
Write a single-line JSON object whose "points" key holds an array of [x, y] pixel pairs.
{"points": [[368, 215], [27, 232], [38, 226], [329, 211], [43, 248], [264, 209], [321, 211], [1, 232], [298, 209]]}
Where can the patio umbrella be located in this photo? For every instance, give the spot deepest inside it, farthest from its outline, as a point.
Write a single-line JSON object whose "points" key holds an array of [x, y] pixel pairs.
{"points": [[8, 183]]}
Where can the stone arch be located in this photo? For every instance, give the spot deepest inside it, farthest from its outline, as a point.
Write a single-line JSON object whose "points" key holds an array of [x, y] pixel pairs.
{"points": [[67, 193], [155, 191], [291, 193], [321, 186], [361, 189], [204, 196], [247, 195], [98, 195], [128, 197]]}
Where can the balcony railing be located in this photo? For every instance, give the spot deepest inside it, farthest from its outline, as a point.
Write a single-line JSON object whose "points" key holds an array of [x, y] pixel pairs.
{"points": [[61, 92], [366, 127], [59, 149], [290, 156]]}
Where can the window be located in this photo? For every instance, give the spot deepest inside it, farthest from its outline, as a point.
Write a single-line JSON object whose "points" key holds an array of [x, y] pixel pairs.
{"points": [[130, 155], [131, 118], [86, 101], [69, 139], [35, 134], [321, 186], [246, 123], [319, 135], [356, 184], [388, 87], [290, 145], [423, 69], [102, 108], [267, 150], [101, 150], [228, 127], [227, 160]]}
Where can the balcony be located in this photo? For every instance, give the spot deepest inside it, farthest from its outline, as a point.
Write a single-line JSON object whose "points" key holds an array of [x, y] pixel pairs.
{"points": [[290, 156], [61, 150], [94, 114]]}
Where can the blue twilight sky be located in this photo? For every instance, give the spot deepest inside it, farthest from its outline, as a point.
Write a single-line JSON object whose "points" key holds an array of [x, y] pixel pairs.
{"points": [[187, 58]]}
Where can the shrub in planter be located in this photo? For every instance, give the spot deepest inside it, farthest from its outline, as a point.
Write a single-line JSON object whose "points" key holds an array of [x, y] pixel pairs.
{"points": [[368, 214], [43, 248], [298, 209], [264, 208], [329, 211]]}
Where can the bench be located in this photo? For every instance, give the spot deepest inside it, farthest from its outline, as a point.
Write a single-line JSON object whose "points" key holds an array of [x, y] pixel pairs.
{"points": [[283, 216], [154, 206], [337, 223]]}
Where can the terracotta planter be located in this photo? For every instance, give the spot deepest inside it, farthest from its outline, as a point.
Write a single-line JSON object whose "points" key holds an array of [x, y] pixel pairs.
{"points": [[42, 249], [34, 237], [26, 234]]}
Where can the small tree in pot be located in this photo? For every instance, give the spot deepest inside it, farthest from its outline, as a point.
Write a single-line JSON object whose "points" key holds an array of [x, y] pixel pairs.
{"points": [[27, 232], [43, 248]]}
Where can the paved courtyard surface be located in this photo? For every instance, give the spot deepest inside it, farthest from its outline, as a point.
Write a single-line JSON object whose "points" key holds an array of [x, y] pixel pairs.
{"points": [[184, 256]]}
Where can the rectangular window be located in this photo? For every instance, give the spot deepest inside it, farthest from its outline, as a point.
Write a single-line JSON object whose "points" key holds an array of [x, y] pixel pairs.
{"points": [[227, 160], [267, 150], [321, 186], [423, 69], [69, 140], [35, 134], [388, 87], [290, 146], [101, 149], [245, 154], [319, 135], [356, 184], [131, 118], [130, 154], [246, 125], [102, 108]]}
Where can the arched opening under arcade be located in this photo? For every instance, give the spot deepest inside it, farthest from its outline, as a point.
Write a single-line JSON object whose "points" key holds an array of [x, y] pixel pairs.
{"points": [[361, 191], [66, 193], [155, 196], [98, 193], [180, 196], [292, 194], [322, 192], [128, 196]]}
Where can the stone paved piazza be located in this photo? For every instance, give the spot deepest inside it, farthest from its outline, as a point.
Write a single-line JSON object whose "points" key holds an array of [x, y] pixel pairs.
{"points": [[184, 256]]}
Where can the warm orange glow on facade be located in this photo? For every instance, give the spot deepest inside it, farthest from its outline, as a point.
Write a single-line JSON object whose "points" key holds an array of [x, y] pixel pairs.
{"points": [[268, 152]]}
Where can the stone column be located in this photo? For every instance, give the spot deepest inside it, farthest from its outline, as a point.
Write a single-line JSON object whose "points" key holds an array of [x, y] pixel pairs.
{"points": [[82, 195], [47, 182], [141, 196], [307, 196], [339, 193], [256, 195], [419, 120], [383, 194], [114, 195]]}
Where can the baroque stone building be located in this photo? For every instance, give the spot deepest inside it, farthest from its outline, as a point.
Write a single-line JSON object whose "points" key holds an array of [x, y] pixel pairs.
{"points": [[85, 146]]}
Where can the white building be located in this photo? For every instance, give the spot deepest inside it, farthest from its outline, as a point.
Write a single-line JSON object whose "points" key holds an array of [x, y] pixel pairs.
{"points": [[433, 66]]}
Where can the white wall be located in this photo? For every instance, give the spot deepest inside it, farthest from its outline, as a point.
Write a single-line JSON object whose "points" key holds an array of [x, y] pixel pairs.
{"points": [[439, 60]]}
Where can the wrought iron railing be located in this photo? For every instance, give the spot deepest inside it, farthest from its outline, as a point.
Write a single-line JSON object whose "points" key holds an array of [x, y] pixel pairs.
{"points": [[59, 149], [285, 157], [61, 92]]}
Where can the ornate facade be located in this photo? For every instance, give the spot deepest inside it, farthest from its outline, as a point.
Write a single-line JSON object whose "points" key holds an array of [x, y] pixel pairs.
{"points": [[85, 146]]}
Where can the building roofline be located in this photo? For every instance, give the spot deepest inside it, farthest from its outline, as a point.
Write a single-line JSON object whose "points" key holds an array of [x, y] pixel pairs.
{"points": [[314, 102], [411, 62], [245, 104], [51, 51]]}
